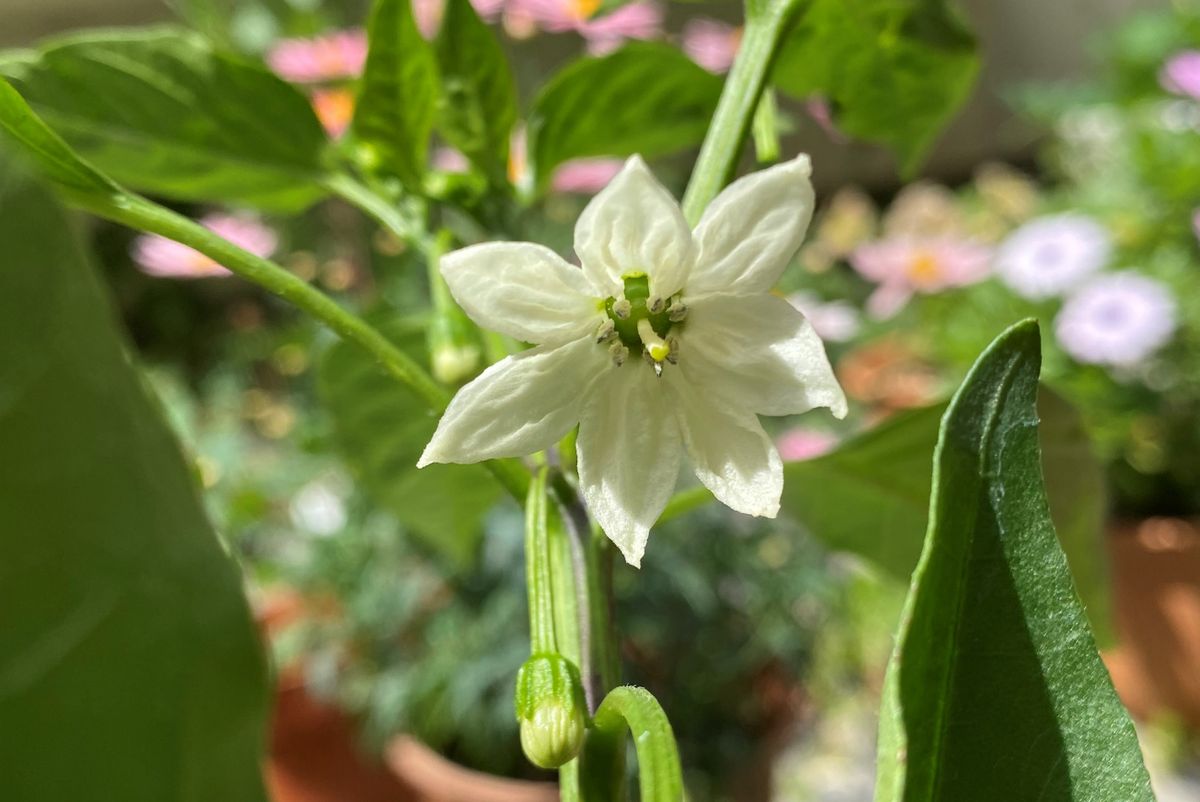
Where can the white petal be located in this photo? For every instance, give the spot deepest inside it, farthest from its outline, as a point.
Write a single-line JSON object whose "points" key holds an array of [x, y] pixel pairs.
{"points": [[751, 230], [629, 454], [523, 290], [731, 454], [521, 404], [634, 225], [760, 354]]}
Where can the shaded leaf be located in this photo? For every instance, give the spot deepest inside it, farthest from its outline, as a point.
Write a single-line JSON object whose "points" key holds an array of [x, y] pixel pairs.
{"points": [[645, 98], [996, 690], [161, 112], [895, 70], [381, 428], [397, 98], [129, 665], [478, 104]]}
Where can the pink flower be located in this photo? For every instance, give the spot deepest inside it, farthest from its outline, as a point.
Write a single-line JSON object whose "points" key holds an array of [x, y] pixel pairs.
{"points": [[1181, 74], [902, 266], [833, 321], [819, 109], [1117, 319], [638, 20], [450, 160], [159, 256], [711, 44], [585, 176], [800, 444], [428, 13], [335, 56]]}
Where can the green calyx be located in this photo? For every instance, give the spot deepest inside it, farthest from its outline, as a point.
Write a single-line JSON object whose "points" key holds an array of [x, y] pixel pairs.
{"points": [[637, 293], [550, 709]]}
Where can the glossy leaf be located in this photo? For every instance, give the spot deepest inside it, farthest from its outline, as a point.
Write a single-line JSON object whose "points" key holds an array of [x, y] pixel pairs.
{"points": [[996, 691], [159, 111], [478, 104], [895, 70], [381, 428], [129, 665], [645, 98], [397, 99]]}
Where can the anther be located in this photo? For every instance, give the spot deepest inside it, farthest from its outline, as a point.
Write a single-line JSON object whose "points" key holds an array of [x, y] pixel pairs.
{"points": [[607, 331], [619, 353], [656, 305], [673, 354], [622, 308], [676, 312]]}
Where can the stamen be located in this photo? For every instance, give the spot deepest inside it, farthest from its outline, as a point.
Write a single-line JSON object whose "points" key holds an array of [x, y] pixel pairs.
{"points": [[622, 308], [673, 355], [607, 331], [655, 346], [676, 312], [656, 305], [619, 353]]}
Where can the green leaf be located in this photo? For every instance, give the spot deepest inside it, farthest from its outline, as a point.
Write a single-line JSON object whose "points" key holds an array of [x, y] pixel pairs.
{"points": [[995, 690], [896, 70], [645, 98], [381, 428], [397, 100], [130, 668], [158, 110], [46, 149], [870, 497], [478, 105]]}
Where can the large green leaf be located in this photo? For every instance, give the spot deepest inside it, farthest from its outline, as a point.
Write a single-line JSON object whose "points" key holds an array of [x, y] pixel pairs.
{"points": [[160, 111], [871, 496], [129, 666], [645, 98], [995, 691], [896, 70], [381, 428], [478, 104], [397, 100]]}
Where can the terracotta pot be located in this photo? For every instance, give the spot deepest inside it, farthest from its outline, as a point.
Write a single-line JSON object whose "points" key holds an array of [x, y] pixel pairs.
{"points": [[435, 779], [1156, 583]]}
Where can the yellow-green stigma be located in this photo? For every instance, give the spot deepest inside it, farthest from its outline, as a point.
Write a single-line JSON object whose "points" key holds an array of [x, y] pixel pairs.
{"points": [[644, 324]]}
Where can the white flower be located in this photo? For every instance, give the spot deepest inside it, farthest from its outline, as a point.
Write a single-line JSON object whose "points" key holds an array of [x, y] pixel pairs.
{"points": [[1050, 255], [1117, 319], [668, 339]]}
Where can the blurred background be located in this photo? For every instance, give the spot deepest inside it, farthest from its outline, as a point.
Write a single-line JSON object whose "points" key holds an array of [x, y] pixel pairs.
{"points": [[1067, 188]]}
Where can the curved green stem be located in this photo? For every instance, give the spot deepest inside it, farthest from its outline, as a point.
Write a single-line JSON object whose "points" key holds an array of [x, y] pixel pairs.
{"points": [[635, 711], [538, 577], [731, 123], [144, 215]]}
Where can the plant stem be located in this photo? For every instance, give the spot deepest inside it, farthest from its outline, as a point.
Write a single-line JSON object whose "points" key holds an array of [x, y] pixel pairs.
{"points": [[140, 213], [731, 123], [537, 568]]}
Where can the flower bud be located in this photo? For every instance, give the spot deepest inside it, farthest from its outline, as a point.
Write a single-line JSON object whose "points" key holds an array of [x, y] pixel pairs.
{"points": [[550, 709]]}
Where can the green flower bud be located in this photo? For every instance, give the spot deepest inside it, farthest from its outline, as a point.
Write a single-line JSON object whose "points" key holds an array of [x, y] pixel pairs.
{"points": [[550, 709]]}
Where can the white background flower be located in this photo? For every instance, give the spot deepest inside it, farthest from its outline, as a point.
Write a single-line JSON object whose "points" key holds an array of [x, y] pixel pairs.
{"points": [[667, 340], [1117, 319], [1050, 255]]}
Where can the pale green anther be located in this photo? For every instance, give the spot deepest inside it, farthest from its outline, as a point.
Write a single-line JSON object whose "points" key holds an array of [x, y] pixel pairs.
{"points": [[622, 308], [606, 332], [677, 312], [656, 305], [619, 353]]}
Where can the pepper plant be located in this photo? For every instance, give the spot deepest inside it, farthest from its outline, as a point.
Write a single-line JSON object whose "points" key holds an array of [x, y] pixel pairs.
{"points": [[666, 340]]}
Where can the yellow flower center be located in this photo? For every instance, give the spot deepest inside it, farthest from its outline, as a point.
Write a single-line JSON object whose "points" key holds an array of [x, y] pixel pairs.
{"points": [[584, 9], [924, 269]]}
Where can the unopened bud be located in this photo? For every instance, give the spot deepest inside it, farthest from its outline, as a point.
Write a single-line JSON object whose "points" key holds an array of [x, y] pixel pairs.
{"points": [[550, 710], [454, 364]]}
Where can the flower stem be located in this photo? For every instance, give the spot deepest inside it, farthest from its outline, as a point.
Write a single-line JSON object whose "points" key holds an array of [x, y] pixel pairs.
{"points": [[735, 111], [144, 215]]}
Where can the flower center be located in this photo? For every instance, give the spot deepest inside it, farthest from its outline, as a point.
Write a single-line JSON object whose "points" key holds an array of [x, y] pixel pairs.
{"points": [[637, 323], [584, 9], [924, 269]]}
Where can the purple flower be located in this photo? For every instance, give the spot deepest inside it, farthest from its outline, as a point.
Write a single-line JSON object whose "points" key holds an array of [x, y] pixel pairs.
{"points": [[711, 44], [159, 256], [332, 57], [1051, 255], [904, 265], [1181, 74], [1116, 319], [833, 321]]}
